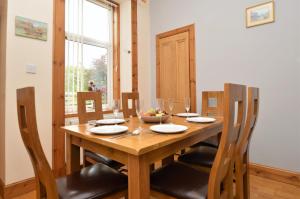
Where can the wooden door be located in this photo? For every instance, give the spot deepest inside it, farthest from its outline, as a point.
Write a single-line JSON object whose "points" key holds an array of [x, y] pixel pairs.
{"points": [[175, 67]]}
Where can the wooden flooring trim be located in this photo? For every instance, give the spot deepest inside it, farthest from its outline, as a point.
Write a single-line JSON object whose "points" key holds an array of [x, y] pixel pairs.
{"points": [[280, 175], [19, 188]]}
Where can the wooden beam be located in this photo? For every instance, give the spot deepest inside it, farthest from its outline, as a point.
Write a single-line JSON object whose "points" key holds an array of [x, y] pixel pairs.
{"points": [[116, 53], [58, 93], [134, 32], [3, 36]]}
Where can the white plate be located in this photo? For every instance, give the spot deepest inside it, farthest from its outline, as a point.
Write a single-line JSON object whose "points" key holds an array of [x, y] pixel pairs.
{"points": [[201, 119], [108, 130], [110, 121], [187, 114], [168, 128]]}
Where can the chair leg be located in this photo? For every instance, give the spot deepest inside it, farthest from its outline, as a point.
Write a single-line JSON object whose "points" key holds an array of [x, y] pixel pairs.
{"points": [[239, 180], [230, 181], [246, 178]]}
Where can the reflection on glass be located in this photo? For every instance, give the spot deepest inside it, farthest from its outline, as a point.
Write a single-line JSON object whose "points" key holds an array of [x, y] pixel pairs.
{"points": [[187, 105], [116, 108], [139, 113], [160, 107]]}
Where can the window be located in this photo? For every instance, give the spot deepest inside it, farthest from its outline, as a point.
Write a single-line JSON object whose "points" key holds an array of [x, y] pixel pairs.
{"points": [[89, 50]]}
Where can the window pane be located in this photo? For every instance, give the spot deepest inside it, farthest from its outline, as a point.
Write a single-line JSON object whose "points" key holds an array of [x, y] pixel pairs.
{"points": [[95, 62], [94, 67], [73, 16], [96, 23], [88, 26]]}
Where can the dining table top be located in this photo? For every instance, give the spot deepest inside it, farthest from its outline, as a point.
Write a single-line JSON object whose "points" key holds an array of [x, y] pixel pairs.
{"points": [[147, 140]]}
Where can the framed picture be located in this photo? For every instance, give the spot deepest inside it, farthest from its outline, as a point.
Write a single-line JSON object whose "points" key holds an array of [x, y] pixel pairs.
{"points": [[31, 28], [260, 14]]}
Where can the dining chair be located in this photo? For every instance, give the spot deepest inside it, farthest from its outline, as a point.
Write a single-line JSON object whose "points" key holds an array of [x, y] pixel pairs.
{"points": [[242, 149], [126, 97], [96, 181], [92, 99], [204, 156], [212, 106], [212, 103], [86, 114], [178, 180]]}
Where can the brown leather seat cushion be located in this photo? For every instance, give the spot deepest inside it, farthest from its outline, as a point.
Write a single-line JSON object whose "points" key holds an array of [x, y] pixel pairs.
{"points": [[212, 142], [96, 181], [180, 181], [205, 144], [104, 160], [202, 156]]}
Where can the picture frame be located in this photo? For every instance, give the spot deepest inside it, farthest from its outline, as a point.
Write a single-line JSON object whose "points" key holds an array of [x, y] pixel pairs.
{"points": [[29, 28], [260, 14]]}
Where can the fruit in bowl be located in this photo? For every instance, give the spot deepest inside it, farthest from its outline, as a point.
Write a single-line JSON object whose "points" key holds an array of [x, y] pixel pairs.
{"points": [[154, 116]]}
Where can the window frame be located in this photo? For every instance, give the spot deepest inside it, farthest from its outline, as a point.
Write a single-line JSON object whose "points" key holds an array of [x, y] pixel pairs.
{"points": [[58, 76], [113, 52]]}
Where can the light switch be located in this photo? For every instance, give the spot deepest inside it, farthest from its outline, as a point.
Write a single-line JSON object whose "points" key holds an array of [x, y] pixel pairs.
{"points": [[31, 68]]}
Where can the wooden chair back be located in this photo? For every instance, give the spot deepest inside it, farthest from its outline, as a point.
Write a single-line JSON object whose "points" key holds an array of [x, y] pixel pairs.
{"points": [[242, 149], [221, 175], [127, 112], [212, 103], [45, 181], [85, 115]]}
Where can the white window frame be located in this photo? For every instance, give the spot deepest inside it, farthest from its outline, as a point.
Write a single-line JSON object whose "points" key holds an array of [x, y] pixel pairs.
{"points": [[106, 45]]}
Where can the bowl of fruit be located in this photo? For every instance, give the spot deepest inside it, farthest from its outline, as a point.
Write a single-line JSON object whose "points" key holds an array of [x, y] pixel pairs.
{"points": [[155, 116]]}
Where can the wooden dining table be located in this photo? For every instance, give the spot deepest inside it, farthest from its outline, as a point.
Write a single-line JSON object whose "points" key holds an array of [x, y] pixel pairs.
{"points": [[138, 152]]}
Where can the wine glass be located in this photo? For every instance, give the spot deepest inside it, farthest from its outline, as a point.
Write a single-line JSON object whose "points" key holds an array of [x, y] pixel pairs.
{"points": [[171, 107], [160, 108], [187, 105], [116, 108], [139, 113]]}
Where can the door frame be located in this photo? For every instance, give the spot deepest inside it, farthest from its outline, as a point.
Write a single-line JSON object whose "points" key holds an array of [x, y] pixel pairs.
{"points": [[192, 60]]}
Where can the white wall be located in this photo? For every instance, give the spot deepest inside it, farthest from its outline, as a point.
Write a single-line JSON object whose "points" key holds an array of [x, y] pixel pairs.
{"points": [[22, 51], [144, 71], [125, 46], [264, 56]]}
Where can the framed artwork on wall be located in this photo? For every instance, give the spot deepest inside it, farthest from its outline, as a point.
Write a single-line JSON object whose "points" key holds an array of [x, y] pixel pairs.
{"points": [[260, 14], [31, 28]]}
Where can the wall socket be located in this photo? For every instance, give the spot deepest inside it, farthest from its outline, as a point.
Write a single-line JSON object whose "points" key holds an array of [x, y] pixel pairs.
{"points": [[31, 68]]}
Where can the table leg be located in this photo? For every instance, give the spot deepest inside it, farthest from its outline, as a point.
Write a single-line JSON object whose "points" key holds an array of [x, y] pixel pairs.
{"points": [[138, 177], [73, 155]]}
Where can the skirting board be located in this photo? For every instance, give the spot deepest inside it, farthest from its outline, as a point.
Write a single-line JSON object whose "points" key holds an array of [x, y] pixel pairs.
{"points": [[19, 188], [280, 175], [1, 189]]}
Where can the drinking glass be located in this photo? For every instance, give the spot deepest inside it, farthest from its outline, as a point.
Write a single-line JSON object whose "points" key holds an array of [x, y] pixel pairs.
{"points": [[160, 108], [187, 105], [139, 113], [171, 107], [116, 108]]}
